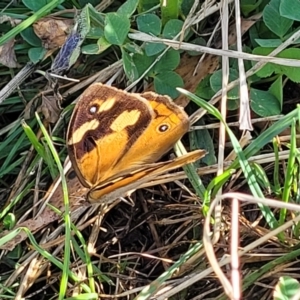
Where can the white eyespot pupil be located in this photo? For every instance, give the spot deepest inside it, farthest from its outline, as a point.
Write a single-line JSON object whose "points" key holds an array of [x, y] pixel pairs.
{"points": [[93, 109], [163, 128]]}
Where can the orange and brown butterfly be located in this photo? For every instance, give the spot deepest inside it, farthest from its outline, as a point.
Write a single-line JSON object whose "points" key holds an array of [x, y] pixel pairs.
{"points": [[115, 137]]}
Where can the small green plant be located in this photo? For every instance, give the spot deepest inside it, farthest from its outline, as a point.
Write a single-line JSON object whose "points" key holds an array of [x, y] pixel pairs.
{"points": [[277, 25]]}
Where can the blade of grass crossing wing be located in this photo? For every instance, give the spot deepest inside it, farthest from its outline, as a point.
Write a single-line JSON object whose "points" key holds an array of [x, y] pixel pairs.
{"points": [[191, 172]]}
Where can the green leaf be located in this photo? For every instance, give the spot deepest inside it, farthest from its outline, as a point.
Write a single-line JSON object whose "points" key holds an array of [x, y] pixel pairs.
{"points": [[101, 46], [142, 63], [233, 104], [90, 49], [292, 73], [10, 149], [264, 103], [129, 66], [30, 37], [97, 20], [268, 69], [36, 54], [172, 29], [169, 61], [95, 33], [128, 8], [268, 42], [149, 23], [197, 41], [274, 21], [154, 48], [35, 5], [9, 221], [286, 288], [116, 28], [216, 83], [186, 6], [146, 5], [169, 10], [133, 48], [247, 6], [276, 89], [82, 3], [204, 89], [74, 56], [167, 82], [201, 139], [290, 9]]}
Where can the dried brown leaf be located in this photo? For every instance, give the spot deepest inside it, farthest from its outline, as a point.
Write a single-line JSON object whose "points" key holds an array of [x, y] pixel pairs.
{"points": [[49, 108], [52, 31], [13, 22], [8, 56]]}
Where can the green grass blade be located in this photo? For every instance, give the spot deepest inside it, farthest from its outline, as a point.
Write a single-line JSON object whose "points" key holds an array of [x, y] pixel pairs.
{"points": [[67, 249], [289, 174], [241, 160], [191, 172], [213, 187], [277, 188]]}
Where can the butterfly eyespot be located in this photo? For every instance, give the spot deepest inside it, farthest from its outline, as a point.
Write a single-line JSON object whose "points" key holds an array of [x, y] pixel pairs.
{"points": [[163, 127], [93, 109]]}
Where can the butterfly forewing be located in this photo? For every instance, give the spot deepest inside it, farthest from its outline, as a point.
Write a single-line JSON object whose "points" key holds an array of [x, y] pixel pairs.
{"points": [[105, 124], [113, 136], [168, 125]]}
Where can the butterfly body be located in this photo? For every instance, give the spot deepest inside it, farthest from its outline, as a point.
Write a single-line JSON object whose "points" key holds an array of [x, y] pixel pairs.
{"points": [[115, 136]]}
